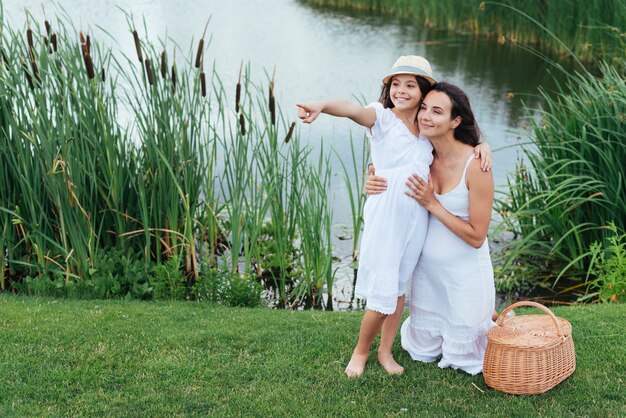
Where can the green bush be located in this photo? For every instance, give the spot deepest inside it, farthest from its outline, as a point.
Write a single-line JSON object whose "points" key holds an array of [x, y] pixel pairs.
{"points": [[231, 289], [609, 268], [168, 280]]}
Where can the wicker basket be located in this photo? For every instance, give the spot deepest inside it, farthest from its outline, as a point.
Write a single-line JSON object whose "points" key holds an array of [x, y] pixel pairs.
{"points": [[528, 354]]}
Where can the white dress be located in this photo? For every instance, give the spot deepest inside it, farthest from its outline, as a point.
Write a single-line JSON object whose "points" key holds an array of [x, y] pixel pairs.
{"points": [[452, 294], [394, 225]]}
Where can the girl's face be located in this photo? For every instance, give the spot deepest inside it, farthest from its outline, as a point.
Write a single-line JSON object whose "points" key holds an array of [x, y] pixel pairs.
{"points": [[435, 115], [404, 92]]}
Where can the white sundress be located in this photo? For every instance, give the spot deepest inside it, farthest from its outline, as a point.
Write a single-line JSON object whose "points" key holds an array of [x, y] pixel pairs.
{"points": [[452, 294], [394, 224]]}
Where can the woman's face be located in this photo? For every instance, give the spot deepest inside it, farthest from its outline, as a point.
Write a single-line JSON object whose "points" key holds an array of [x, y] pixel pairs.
{"points": [[435, 115], [404, 92]]}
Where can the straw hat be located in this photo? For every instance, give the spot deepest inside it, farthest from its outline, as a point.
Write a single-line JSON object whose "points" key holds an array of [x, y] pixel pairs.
{"points": [[411, 64]]}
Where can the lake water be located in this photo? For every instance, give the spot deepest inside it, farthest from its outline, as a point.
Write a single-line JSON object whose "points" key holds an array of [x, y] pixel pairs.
{"points": [[320, 54]]}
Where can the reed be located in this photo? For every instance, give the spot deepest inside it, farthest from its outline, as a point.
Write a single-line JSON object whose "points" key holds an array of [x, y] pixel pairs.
{"points": [[78, 188], [571, 185], [588, 27]]}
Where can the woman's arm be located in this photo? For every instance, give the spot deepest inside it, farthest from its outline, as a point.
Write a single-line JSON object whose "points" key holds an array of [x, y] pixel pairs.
{"points": [[364, 116], [481, 190]]}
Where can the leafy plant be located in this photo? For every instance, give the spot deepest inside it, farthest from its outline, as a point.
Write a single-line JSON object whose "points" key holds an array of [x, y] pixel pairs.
{"points": [[168, 280], [609, 267]]}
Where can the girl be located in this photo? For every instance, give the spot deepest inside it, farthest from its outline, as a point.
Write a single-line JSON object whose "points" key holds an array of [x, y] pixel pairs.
{"points": [[394, 226]]}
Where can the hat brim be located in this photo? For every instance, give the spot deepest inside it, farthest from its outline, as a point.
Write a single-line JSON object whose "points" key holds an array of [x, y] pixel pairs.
{"points": [[411, 71]]}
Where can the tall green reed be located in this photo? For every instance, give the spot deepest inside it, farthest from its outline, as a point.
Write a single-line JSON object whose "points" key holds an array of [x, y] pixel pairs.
{"points": [[561, 200], [78, 186], [588, 27]]}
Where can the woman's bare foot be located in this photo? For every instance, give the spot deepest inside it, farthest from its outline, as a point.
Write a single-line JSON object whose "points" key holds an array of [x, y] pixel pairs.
{"points": [[389, 364], [494, 316], [356, 366]]}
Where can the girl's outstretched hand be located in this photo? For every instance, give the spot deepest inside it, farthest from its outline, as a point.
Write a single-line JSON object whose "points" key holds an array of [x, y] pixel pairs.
{"points": [[483, 151], [308, 112]]}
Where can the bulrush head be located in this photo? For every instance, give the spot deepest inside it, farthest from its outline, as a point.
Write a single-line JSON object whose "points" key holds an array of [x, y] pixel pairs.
{"points": [[137, 45], [203, 84], [88, 62], [29, 78], [29, 33], [149, 72], [290, 132], [173, 78], [54, 42], [238, 89], [200, 53], [103, 75], [272, 100], [33, 65], [242, 124], [163, 64]]}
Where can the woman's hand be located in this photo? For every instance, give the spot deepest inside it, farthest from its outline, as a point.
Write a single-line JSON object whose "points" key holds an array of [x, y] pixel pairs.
{"points": [[308, 112], [483, 151], [374, 184], [422, 192]]}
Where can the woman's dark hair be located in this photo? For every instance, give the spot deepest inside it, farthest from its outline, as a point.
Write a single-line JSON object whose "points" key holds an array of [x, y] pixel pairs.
{"points": [[385, 98], [467, 131]]}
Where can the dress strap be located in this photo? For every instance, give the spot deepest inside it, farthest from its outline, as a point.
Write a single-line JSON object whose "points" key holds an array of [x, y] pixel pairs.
{"points": [[467, 163]]}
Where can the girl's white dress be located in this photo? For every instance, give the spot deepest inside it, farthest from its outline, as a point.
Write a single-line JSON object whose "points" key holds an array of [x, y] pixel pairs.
{"points": [[394, 225], [452, 294]]}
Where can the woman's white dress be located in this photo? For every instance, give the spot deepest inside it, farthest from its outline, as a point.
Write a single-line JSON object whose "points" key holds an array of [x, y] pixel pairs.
{"points": [[394, 225], [452, 294]]}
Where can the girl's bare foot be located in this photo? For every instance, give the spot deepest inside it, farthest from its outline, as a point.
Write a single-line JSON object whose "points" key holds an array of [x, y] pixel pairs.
{"points": [[356, 366], [389, 364]]}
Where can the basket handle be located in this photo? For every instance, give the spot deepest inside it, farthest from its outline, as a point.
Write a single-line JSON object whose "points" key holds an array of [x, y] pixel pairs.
{"points": [[502, 317]]}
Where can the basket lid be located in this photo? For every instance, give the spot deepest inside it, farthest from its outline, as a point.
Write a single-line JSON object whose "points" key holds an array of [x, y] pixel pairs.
{"points": [[529, 331]]}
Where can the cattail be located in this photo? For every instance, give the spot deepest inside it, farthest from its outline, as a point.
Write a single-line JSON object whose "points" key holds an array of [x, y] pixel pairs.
{"points": [[163, 64], [173, 79], [88, 43], [102, 75], [88, 63], [272, 110], [82, 38], [53, 41], [149, 72], [242, 123], [238, 90], [137, 45], [33, 65], [290, 132], [199, 54], [29, 78], [272, 100], [203, 83], [48, 27], [29, 38], [47, 43]]}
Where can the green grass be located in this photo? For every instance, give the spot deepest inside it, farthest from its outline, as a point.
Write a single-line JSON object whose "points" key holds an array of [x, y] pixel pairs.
{"points": [[62, 357]]}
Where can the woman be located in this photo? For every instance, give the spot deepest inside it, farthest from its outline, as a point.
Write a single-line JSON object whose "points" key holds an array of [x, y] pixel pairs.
{"points": [[452, 293]]}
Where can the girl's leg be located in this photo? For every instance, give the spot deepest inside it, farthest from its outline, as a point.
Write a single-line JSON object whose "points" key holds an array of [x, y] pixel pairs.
{"points": [[370, 326], [387, 337]]}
